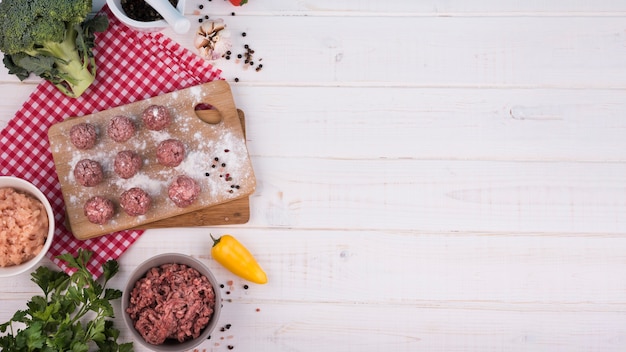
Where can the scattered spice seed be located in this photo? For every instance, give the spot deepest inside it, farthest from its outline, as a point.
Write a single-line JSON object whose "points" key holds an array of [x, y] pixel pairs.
{"points": [[206, 17], [232, 14], [246, 46], [223, 164], [226, 150], [221, 285], [243, 34], [239, 56], [207, 174], [216, 159], [245, 287], [200, 20], [236, 79], [201, 7], [222, 329], [228, 326], [227, 57], [230, 347], [213, 166], [228, 52], [227, 292]]}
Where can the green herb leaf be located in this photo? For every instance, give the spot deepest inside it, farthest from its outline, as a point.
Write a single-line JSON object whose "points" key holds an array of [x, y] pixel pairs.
{"points": [[56, 320]]}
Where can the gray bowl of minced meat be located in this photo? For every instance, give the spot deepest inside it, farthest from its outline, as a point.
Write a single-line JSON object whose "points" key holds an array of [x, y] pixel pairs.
{"points": [[26, 226], [171, 302]]}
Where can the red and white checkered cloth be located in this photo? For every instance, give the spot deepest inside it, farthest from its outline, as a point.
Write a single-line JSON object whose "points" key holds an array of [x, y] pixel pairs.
{"points": [[132, 66]]}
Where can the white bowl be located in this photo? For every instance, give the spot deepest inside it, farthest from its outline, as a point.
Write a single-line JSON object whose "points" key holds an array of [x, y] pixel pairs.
{"points": [[152, 26], [20, 184], [140, 272]]}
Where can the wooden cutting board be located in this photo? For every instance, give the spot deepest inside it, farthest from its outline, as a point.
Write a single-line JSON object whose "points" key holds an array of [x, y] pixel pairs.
{"points": [[228, 179]]}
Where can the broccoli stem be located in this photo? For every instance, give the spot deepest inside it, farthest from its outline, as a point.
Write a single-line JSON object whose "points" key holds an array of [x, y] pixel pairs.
{"points": [[74, 72]]}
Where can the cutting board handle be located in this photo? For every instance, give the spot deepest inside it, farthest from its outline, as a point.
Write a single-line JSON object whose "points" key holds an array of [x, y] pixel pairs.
{"points": [[208, 113]]}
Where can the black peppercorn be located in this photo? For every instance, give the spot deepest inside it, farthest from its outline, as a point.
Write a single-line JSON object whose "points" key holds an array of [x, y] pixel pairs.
{"points": [[239, 56], [232, 14], [201, 7], [236, 79], [243, 34], [245, 287]]}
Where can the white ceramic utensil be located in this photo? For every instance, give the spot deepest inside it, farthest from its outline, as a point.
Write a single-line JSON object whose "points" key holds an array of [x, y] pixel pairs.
{"points": [[175, 19]]}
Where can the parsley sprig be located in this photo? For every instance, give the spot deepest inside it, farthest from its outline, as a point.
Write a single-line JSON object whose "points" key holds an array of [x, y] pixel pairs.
{"points": [[71, 315]]}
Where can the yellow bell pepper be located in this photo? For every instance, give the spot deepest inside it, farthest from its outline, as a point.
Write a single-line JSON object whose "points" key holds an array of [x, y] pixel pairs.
{"points": [[237, 259]]}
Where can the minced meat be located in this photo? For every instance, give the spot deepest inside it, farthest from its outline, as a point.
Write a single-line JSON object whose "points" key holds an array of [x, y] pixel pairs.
{"points": [[172, 301], [23, 226]]}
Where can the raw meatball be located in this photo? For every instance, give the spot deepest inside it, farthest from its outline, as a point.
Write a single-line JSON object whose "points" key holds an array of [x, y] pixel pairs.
{"points": [[99, 210], [127, 163], [121, 128], [83, 135], [135, 201], [170, 152], [88, 172], [183, 191], [156, 117]]}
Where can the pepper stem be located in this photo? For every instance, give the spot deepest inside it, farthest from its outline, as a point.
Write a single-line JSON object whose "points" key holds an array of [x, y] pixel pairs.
{"points": [[215, 241]]}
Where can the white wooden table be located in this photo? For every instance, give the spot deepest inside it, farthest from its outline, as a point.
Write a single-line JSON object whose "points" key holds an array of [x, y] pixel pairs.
{"points": [[432, 176]]}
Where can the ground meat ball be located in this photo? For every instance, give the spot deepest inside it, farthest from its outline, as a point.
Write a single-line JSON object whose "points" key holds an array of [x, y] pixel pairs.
{"points": [[170, 152], [99, 210], [23, 227], [183, 191], [121, 128], [156, 117], [83, 135], [173, 301], [88, 172], [127, 163], [135, 201]]}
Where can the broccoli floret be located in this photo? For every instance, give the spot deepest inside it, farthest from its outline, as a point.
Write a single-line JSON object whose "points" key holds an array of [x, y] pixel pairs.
{"points": [[52, 39]]}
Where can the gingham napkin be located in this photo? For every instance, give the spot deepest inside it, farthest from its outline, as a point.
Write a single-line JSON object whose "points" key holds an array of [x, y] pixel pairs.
{"points": [[131, 66]]}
